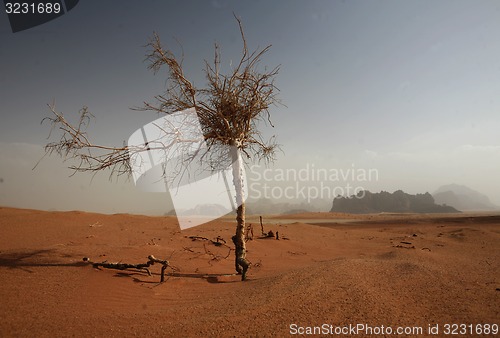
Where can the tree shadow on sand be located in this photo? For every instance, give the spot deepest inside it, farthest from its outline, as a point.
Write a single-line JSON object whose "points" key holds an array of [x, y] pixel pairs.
{"points": [[24, 260], [209, 277], [33, 258]]}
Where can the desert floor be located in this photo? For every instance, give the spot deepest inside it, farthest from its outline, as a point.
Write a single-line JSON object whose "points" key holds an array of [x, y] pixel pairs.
{"points": [[395, 271]]}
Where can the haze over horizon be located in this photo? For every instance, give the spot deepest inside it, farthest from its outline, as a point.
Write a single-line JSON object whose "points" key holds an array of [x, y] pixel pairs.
{"points": [[409, 90]]}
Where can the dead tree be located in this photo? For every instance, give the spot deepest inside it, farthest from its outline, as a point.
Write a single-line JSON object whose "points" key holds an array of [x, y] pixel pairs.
{"points": [[230, 109]]}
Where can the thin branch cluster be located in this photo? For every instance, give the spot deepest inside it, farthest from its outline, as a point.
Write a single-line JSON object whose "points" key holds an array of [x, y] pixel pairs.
{"points": [[229, 109], [75, 144]]}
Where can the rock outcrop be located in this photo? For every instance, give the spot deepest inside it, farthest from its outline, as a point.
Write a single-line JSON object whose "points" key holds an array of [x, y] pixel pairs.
{"points": [[366, 202]]}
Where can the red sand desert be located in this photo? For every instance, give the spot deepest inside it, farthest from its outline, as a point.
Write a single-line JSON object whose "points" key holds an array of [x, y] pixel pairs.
{"points": [[331, 271]]}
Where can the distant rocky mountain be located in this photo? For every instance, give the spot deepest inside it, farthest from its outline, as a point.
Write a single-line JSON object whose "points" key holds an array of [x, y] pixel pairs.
{"points": [[367, 202], [463, 198], [206, 210], [268, 206]]}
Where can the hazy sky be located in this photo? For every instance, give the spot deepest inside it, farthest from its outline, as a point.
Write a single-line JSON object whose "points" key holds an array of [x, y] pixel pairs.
{"points": [[408, 88]]}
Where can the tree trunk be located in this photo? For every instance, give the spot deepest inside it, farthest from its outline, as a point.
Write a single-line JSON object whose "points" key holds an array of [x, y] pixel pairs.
{"points": [[241, 264]]}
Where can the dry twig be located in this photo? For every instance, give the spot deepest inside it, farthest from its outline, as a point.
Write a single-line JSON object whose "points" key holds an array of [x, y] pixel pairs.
{"points": [[124, 266]]}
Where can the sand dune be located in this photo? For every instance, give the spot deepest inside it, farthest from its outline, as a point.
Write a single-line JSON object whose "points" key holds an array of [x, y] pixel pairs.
{"points": [[390, 270]]}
